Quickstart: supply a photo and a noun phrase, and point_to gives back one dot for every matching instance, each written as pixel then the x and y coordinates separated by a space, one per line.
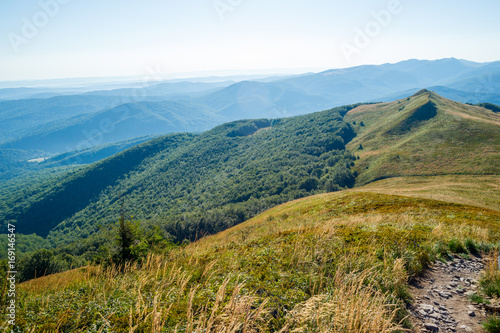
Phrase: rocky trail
pixel 441 302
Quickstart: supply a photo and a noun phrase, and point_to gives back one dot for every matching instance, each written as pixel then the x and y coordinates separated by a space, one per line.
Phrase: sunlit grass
pixel 329 263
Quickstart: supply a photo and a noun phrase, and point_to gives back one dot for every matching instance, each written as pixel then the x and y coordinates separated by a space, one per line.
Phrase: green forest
pixel 178 187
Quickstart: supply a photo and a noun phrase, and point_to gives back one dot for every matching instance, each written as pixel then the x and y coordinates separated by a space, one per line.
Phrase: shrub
pixel 492 324
pixel 478 298
pixel 456 246
pixel 442 251
pixel 309 184
pixel 471 246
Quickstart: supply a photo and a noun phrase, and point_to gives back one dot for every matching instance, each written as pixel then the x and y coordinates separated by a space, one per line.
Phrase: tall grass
pixel 332 263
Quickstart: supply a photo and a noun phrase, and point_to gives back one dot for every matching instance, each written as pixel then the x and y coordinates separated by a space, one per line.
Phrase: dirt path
pixel 441 303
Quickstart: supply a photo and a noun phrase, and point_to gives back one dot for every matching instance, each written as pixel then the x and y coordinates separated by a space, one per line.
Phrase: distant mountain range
pixel 72 122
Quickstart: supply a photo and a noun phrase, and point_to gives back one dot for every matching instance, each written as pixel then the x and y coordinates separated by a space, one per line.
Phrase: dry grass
pixel 352 307
pixel 330 263
pixel 481 191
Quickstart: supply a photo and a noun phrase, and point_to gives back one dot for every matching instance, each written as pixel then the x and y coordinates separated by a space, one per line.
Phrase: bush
pixel 492 324
pixel 442 251
pixel 43 262
pixel 471 246
pixel 456 246
pixel 490 282
pixel 478 299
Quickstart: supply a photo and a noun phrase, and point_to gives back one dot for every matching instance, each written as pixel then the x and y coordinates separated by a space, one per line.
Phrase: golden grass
pixel 352 307
pixel 329 263
pixel 481 191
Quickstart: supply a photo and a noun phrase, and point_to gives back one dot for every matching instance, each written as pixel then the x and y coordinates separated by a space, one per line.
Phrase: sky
pixel 45 39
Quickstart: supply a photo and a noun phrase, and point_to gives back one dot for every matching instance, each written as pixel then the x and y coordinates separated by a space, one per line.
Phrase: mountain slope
pixel 307 265
pixel 424 135
pixel 209 182
pixel 195 184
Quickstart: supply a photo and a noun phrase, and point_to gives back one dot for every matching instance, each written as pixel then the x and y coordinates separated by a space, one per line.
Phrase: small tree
pixel 126 237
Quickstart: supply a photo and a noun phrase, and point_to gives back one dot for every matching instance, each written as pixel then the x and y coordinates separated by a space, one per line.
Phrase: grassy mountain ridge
pixel 424 135
pixel 208 182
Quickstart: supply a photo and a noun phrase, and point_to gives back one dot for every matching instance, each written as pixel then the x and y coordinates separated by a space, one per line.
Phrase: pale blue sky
pixel 125 37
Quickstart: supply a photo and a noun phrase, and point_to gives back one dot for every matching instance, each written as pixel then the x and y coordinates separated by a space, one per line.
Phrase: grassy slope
pixel 481 191
pixel 308 264
pixel 458 139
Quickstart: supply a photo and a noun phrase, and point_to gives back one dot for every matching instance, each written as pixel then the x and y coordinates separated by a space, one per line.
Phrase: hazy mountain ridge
pixel 220 102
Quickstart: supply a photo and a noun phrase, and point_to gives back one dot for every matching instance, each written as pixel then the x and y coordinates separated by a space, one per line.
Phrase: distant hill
pixel 424 134
pixel 167 90
pixel 124 122
pixel 19 118
pixel 248 99
pixel 371 83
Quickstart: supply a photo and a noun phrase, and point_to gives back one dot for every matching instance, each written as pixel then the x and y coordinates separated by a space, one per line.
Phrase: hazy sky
pixel 42 39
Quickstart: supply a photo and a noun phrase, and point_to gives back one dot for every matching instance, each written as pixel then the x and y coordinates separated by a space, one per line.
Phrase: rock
pixel 426 307
pixel 422 313
pixel 431 327
pixel 471 313
pixel 435 315
pixel 466 328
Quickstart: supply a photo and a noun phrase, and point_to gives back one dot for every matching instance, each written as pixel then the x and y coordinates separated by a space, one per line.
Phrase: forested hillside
pixel 192 185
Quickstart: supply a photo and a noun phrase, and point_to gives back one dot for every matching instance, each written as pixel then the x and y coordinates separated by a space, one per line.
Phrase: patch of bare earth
pixel 441 302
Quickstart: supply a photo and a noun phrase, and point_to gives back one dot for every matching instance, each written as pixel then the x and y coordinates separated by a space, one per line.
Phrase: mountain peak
pixel 421 92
